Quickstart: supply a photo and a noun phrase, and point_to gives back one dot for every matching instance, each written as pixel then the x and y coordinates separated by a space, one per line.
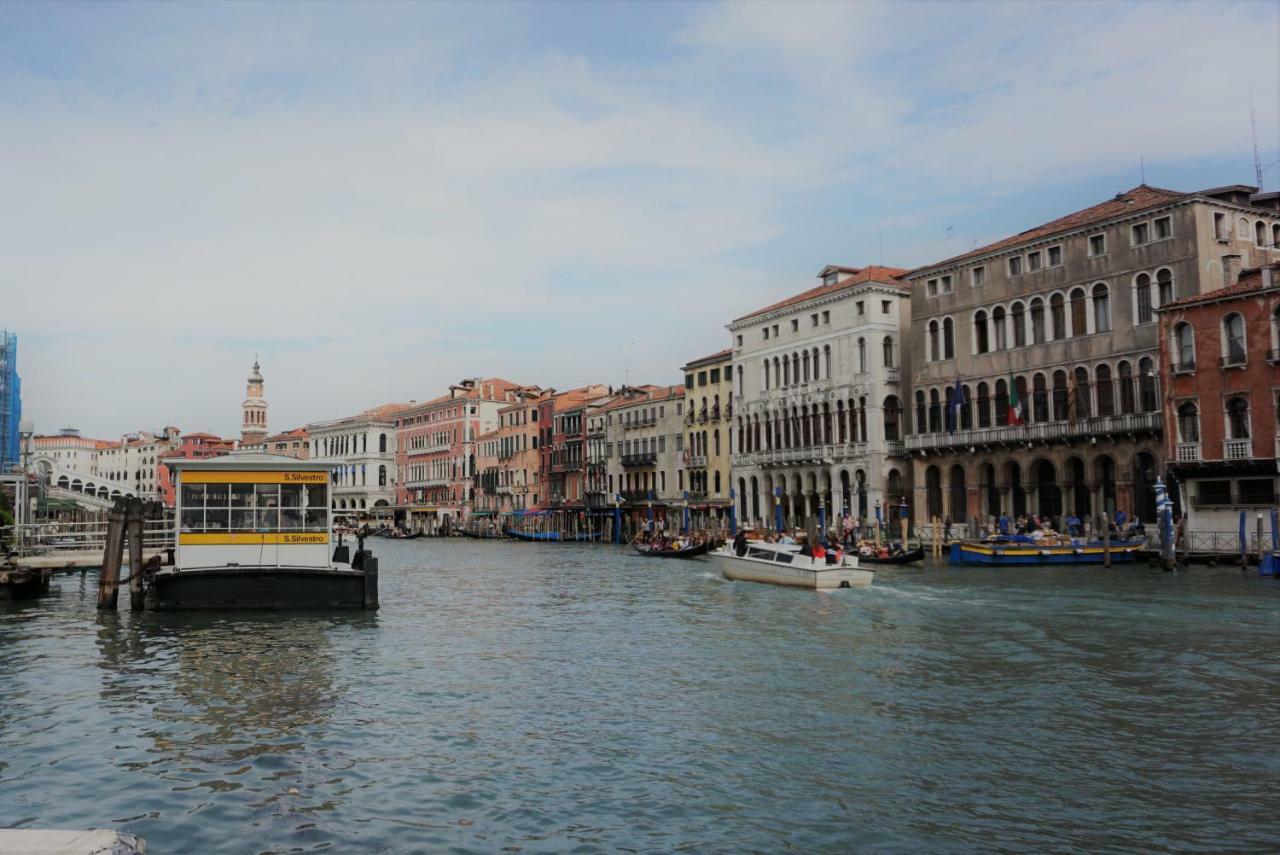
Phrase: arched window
pixel 1037 321
pixel 786 371
pixel 1002 403
pixel 1142 298
pixel 888 351
pixel 922 426
pixel 1017 316
pixel 1125 371
pixel 1079 315
pixel 1233 352
pixel 382 476
pixel 1188 422
pixel 1184 347
pixel 892 418
pixel 1058 316
pixel 948 339
pixel 935 412
pixel 1060 402
pixel 382 443
pixel 966 408
pixel 1101 308
pixel 933 341
pixel 1081 397
pixel 1147 385
pixel 804 361
pixel 984 405
pixel 1106 397
pixel 1275 235
pixel 1164 286
pixel 998 328
pixel 826 361
pixel 862 355
pixel 980 332
pixel 1040 399
pixel 1260 233
pixel 1237 418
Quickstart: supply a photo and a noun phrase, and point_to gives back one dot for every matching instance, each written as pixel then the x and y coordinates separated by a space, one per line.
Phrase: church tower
pixel 253 426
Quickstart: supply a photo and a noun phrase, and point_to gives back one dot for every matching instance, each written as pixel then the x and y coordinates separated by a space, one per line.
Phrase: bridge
pixel 91 492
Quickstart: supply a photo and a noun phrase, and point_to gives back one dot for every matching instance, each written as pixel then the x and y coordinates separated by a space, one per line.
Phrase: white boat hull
pixel 801 572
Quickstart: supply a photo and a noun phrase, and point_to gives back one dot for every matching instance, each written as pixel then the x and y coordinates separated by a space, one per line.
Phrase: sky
pixel 380 200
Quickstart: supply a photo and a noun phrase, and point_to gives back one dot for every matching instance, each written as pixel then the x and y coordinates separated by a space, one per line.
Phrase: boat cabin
pixel 252 510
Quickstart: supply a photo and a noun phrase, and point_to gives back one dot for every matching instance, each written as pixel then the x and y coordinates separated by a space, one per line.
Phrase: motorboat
pixel 784 564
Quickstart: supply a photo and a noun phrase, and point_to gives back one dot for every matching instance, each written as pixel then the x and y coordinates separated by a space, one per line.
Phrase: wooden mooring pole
pixel 112 553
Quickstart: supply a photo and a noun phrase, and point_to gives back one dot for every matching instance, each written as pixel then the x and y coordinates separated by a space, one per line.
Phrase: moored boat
pixel 553 536
pixel 1028 552
pixel 253 533
pixel 783 564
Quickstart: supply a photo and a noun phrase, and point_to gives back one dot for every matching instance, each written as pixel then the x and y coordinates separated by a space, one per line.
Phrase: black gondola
pixel 687 552
pixel 916 554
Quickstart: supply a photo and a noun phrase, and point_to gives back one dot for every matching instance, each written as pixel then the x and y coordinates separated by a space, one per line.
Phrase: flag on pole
pixel 954 405
pixel 1017 407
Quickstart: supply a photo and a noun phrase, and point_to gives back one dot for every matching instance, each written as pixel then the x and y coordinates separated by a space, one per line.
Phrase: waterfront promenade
pixel 582 697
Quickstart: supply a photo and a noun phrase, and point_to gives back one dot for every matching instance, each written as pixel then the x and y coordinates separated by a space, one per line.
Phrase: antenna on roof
pixel 1253 128
pixel 881 247
pixel 1142 171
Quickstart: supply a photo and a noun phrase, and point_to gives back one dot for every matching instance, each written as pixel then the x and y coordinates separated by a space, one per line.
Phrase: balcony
pixel 637 495
pixel 1273 356
pixel 697 461
pixel 635 424
pixel 1187 367
pixel 1188 452
pixel 649 459
pixel 430 449
pixel 1082 429
pixel 1237 449
pixel 1236 360
pixel 893 375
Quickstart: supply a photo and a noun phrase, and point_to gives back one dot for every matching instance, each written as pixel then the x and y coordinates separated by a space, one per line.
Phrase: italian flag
pixel 1017 408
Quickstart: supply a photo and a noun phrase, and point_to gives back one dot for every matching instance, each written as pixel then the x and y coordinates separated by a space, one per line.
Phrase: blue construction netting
pixel 10 400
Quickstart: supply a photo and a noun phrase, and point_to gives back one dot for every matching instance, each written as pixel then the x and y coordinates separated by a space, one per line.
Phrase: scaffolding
pixel 10 401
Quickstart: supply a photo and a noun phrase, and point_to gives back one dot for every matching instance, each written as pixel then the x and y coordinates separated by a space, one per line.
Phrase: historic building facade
pixel 563 447
pixel 1051 338
pixel 644 447
pixel 436 450
pixel 707 460
pixel 1221 356
pixel 361 450
pixel 819 382
pixel 294 443
pixel 508 462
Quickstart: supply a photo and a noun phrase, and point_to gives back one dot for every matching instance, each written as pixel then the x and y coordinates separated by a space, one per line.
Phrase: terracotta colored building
pixel 1220 357
pixel 436 449
pixel 508 461
pixel 563 446
pixel 294 443
pixel 194 446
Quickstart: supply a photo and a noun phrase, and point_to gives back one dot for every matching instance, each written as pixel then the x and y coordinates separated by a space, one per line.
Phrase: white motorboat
pixel 782 564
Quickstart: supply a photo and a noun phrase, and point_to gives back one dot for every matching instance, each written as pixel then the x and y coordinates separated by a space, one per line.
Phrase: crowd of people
pixel 1121 525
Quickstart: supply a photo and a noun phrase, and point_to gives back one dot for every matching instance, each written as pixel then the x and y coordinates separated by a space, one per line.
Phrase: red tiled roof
pixel 874 273
pixel 719 354
pixel 648 394
pixel 1137 199
pixel 1249 282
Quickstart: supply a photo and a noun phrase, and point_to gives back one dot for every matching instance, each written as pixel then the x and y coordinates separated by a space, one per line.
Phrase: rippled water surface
pixel 528 697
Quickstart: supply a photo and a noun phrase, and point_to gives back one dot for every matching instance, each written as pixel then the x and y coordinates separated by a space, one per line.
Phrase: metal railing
pixel 1188 451
pixel 645 459
pixel 1187 367
pixel 57 538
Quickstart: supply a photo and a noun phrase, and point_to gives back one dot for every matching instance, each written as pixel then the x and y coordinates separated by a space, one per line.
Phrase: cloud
pixel 382 201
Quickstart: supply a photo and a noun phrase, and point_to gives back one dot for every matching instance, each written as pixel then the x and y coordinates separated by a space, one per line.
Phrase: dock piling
pixel 370 582
pixel 133 527
pixel 112 553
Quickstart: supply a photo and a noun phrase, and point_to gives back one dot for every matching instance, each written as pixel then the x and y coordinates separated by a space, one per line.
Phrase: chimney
pixel 1230 269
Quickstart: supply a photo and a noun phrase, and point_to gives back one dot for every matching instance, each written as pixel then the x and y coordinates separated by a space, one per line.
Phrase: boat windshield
pixel 254 507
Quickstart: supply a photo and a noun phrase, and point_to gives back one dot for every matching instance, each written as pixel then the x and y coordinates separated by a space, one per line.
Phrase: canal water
pixel 522 697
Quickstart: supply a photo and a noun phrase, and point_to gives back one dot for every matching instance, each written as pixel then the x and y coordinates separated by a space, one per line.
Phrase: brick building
pixel 563 447
pixel 1220 354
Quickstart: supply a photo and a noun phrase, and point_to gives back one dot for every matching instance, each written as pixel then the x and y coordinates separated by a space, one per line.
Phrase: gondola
pixel 687 552
pixel 478 534
pixel 912 556
pixel 553 536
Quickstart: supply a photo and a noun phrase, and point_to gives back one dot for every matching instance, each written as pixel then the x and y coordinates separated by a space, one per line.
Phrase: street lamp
pixel 26 430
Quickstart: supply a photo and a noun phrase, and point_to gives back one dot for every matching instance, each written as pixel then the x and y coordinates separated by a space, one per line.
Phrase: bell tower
pixel 253 425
